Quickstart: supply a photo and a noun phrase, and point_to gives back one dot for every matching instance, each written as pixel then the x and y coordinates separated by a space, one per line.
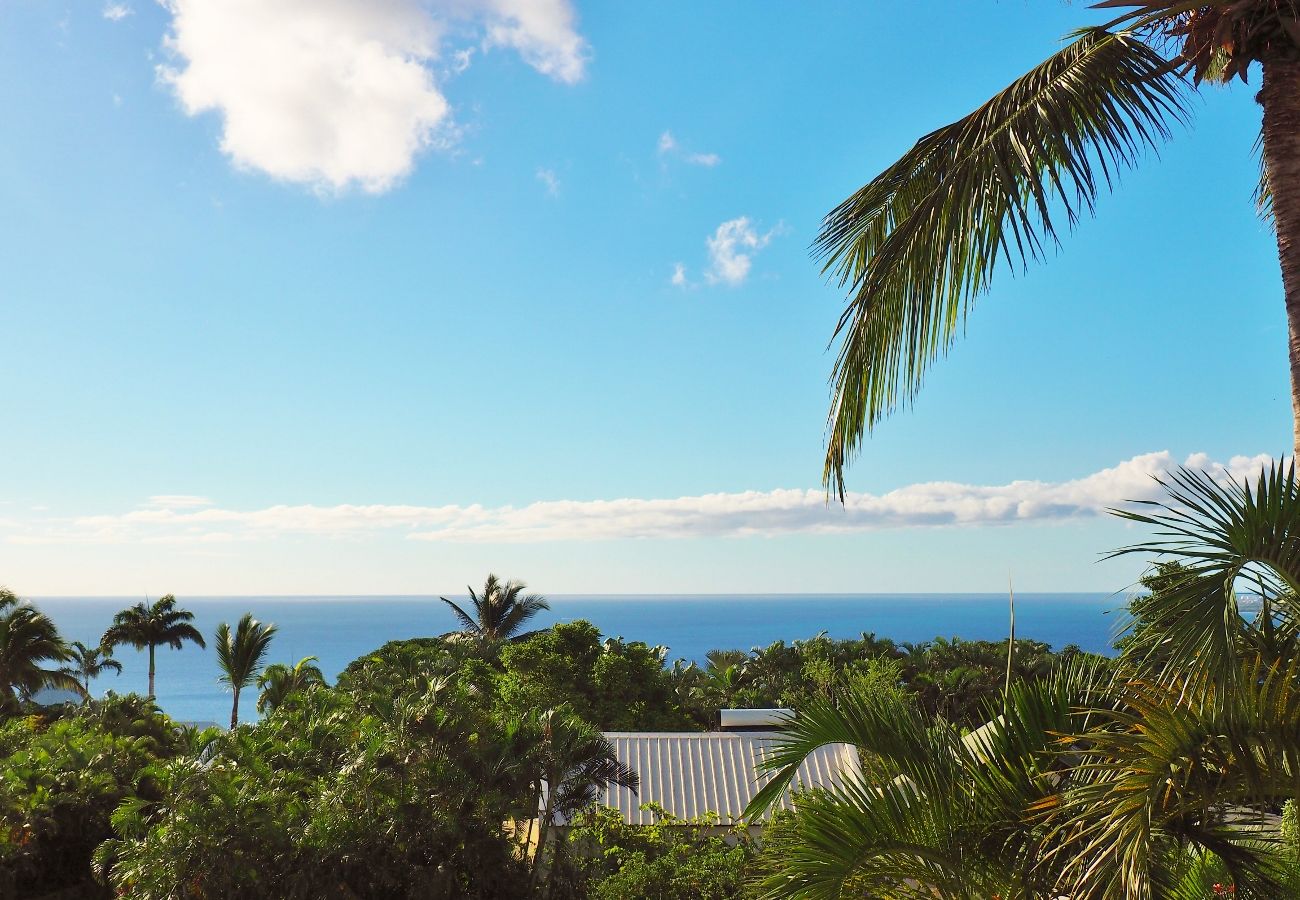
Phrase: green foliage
pixel 616 685
pixel 61 780
pixel 29 641
pixel 672 859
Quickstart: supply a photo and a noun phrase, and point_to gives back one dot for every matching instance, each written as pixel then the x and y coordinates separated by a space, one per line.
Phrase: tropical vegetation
pixel 240 654
pixel 29 643
pixel 920 243
pixel 498 611
pixel 1162 775
pixel 148 626
pixel 88 663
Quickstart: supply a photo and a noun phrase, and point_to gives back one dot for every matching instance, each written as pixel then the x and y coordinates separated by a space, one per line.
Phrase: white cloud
pixel 550 180
pixel 116 12
pixel 731 251
pixel 668 146
pixel 544 32
pixel 185 519
pixel 679 275
pixel 341 93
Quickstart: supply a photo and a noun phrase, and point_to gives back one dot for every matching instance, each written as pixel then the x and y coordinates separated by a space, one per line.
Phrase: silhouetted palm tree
pixel 240 654
pixel 279 681
pixel 499 611
pixel 88 663
pixel 29 638
pixel 151 626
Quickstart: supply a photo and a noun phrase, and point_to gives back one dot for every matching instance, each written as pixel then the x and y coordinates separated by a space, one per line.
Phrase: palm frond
pixel 920 243
pixel 1222 531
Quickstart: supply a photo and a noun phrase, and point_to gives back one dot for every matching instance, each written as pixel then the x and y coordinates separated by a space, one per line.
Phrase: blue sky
pixel 325 297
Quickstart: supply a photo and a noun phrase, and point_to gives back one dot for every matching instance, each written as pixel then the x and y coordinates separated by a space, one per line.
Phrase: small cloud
pixel 679 275
pixel 668 146
pixel 116 12
pixel 732 248
pixel 117 99
pixel 551 180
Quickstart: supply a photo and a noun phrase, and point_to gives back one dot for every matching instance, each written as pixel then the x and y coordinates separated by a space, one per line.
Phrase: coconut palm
pixel 28 640
pixel 920 243
pixel 240 654
pixel 499 611
pixel 88 663
pixel 281 680
pixel 152 625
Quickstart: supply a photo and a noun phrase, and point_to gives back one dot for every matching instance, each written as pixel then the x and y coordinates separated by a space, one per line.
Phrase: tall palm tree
pixel 153 625
pixel 88 663
pixel 920 243
pixel 240 654
pixel 499 611
pixel 29 639
pixel 280 680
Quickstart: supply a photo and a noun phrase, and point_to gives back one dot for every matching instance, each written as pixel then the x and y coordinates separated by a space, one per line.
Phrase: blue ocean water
pixel 337 630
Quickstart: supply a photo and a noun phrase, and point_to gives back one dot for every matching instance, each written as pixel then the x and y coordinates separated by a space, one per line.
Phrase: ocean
pixel 337 630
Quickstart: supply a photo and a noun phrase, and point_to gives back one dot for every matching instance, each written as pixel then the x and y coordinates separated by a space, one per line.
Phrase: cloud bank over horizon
pixel 192 519
pixel 336 94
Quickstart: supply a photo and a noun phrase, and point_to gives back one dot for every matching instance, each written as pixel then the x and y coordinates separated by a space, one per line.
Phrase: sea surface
pixel 336 630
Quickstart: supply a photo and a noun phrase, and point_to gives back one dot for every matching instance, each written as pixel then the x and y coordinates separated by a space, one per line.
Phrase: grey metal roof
pixel 692 773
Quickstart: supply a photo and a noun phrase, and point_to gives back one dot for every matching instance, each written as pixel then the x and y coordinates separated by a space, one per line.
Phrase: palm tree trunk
pixel 234 710
pixel 151 649
pixel 1280 98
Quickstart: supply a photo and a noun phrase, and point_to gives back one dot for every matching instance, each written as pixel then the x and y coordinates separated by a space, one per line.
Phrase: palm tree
pixel 151 626
pixel 573 761
pixel 920 243
pixel 280 680
pixel 240 655
pixel 89 663
pixel 29 638
pixel 499 611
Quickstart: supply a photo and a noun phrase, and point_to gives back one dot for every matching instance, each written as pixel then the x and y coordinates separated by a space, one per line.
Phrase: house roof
pixel 694 773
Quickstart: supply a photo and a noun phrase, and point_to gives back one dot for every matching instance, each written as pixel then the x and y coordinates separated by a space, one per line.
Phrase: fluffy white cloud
pixel 544 32
pixel 116 12
pixel 679 275
pixel 731 251
pixel 342 93
pixel 749 513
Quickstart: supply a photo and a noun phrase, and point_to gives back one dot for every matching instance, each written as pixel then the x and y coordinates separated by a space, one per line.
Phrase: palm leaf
pixel 921 242
pixel 1222 531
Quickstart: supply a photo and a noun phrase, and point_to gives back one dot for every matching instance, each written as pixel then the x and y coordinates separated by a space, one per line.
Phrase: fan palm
pixel 150 626
pixel 240 654
pixel 29 639
pixel 920 243
pixel 88 663
pixel 499 611
pixel 279 681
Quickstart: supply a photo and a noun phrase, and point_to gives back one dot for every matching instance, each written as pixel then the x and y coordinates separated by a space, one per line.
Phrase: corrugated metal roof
pixel 691 774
